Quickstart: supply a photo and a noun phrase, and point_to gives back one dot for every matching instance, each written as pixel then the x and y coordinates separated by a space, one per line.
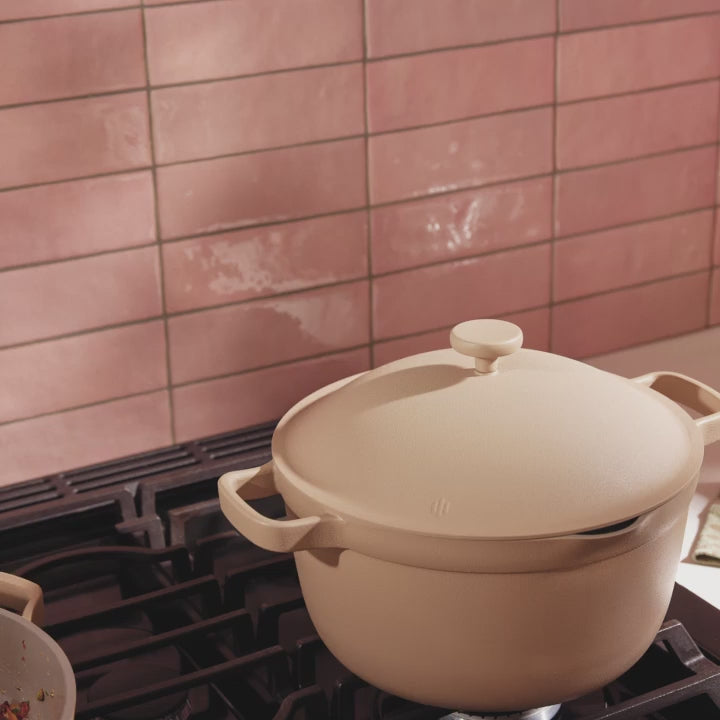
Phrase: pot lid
pixel 487 440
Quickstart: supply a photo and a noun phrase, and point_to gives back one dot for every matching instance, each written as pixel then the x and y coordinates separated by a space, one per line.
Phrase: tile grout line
pixel 75 178
pixel 643 221
pixel 553 195
pixel 538 36
pixel 641 343
pixel 79 13
pixel 188 383
pixel 636 158
pixel 75 98
pixel 348 211
pixel 422 198
pixel 390 131
pixel 632 286
pixel 359 279
pixel 265 298
pixel 81 256
pixel 80 333
pixel 192 311
pixel 632 23
pixel 708 80
pixel 458 120
pixel 83 406
pixel 158 236
pixel 343 350
pixel 271 366
pixel 537 309
pixel 562 171
pixel 346 281
pixel 443 328
pixel 497 41
pixel 148 85
pixel 368 214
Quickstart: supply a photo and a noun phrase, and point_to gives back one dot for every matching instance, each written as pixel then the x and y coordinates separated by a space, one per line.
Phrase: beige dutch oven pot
pixel 484 527
pixel 30 660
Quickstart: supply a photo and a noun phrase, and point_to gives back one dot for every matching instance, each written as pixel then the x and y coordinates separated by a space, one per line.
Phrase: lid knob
pixel 486 341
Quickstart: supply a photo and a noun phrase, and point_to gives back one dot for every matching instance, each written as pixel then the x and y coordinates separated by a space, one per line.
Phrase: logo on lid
pixel 440 507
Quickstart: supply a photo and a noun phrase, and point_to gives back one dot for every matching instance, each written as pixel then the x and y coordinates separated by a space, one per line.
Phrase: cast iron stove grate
pixel 166 612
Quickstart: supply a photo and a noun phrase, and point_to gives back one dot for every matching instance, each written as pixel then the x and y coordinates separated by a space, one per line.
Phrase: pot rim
pixel 309 529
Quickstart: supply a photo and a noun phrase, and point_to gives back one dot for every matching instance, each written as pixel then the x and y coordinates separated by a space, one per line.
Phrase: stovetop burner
pixel 124 675
pixel 130 674
pixel 166 612
pixel 544 713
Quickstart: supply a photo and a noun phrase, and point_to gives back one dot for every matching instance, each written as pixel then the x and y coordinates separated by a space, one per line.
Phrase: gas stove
pixel 166 612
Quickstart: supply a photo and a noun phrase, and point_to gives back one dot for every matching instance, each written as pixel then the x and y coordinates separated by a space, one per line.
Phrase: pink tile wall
pixel 442 158
pixel 209 209
pixel 257 188
pixel 423 89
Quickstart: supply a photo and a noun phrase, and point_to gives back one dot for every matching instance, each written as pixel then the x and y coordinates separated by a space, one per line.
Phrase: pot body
pixel 434 606
pixel 495 641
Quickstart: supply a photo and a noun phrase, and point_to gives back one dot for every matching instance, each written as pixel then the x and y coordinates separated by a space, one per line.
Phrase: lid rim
pixel 587 483
pixel 291 484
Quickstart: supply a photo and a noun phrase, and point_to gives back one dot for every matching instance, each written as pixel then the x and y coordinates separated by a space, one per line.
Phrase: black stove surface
pixel 166 612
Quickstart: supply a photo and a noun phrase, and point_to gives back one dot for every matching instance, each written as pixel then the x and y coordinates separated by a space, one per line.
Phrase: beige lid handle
pixel 486 341
pixel 22 595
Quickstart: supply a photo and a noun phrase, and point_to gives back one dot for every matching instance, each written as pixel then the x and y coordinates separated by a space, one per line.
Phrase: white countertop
pixel 696 355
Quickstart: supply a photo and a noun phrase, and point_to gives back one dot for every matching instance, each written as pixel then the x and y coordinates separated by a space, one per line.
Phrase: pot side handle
pixel 693 394
pixel 23 596
pixel 307 533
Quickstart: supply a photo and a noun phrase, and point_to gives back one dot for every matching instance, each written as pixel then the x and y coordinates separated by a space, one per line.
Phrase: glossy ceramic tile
pixel 460 155
pixel 633 254
pixel 73 55
pixel 52 222
pixel 267 332
pixel 600 131
pixel 213 195
pixel 389 350
pixel 243 400
pixel 715 298
pixel 60 374
pixel 604 62
pixel 52 300
pixel 535 325
pixel 84 436
pixel 630 317
pixel 635 190
pixel 578 14
pixel 64 140
pixel 18 9
pixel 461 224
pixel 421 89
pixel 263 261
pixel 198 121
pixel 248 37
pixel 404 26
pixel 443 295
